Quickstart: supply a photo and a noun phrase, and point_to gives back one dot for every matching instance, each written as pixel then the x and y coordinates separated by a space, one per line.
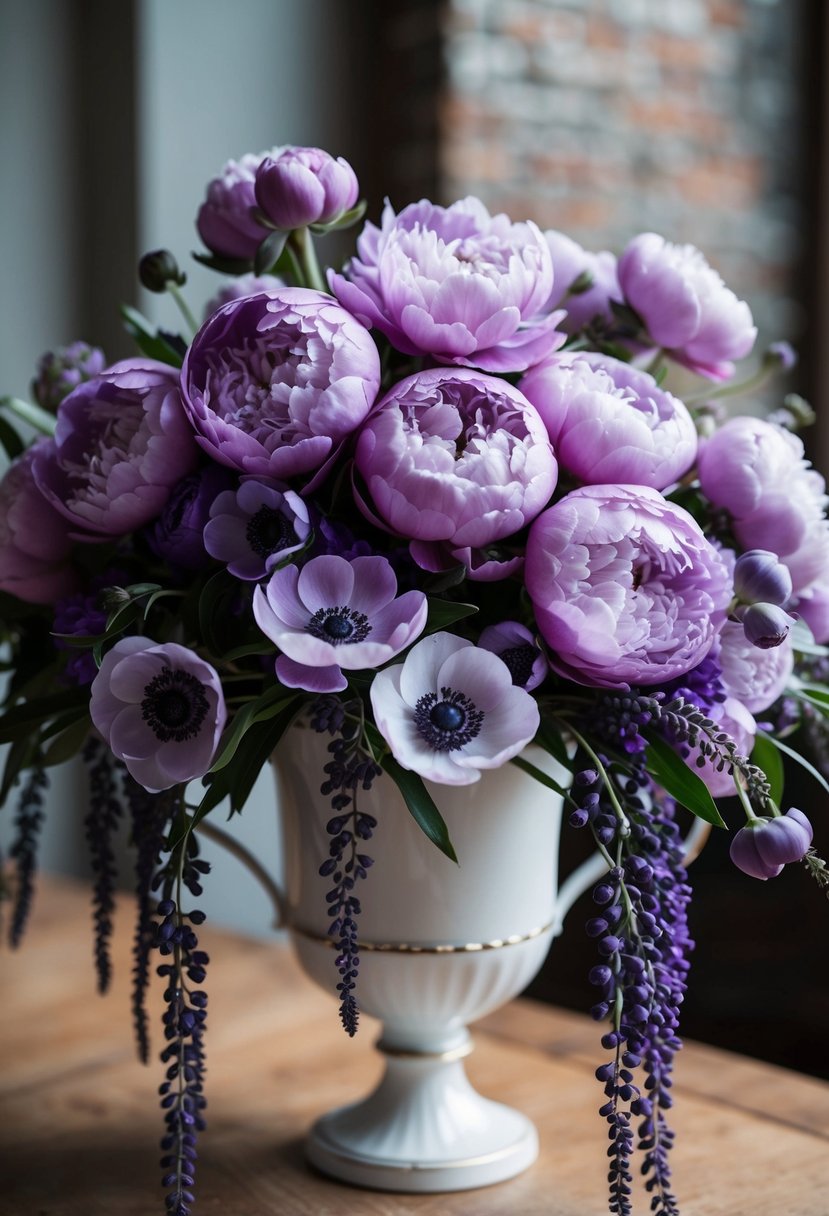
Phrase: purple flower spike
pixel 451 710
pixel 226 220
pixel 625 586
pixel 60 371
pixel 336 613
pixel 685 306
pixel 273 382
pixel 737 722
pixel 456 456
pixel 122 443
pixel 762 848
pixel 455 283
pixel 516 646
pixel 609 421
pixel 256 527
pixel 300 186
pixel 160 709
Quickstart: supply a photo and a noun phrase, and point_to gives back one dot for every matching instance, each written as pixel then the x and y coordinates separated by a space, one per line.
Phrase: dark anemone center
pixel 519 660
pixel 448 721
pixel 338 625
pixel 174 705
pixel 268 531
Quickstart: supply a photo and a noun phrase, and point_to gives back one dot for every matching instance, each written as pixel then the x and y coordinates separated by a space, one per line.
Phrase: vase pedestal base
pixel 424 1129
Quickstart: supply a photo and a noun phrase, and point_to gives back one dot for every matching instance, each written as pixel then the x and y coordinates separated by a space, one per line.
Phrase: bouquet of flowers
pixel 439 504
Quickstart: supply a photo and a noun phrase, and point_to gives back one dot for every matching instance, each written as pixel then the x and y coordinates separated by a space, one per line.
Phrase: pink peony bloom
pixel 813 608
pixel 122 444
pixel 685 306
pixel 34 542
pixel 454 283
pixel 226 219
pixel 609 421
pixel 456 456
pixel 571 262
pixel 335 614
pixel 160 709
pixel 300 186
pixel 756 677
pixel 757 472
pixel 451 710
pixel 273 382
pixel 241 287
pixel 626 588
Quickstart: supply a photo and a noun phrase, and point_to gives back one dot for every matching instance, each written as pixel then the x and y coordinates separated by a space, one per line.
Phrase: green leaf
pixel 269 252
pixel 261 709
pixel 34 415
pixel 539 775
pixel 20 719
pixel 766 756
pixel 802 640
pixel 549 737
pixel 347 220
pixel 671 772
pixel 263 646
pixel 217 595
pixel 801 760
pixel 234 266
pixel 443 613
pixel 148 339
pixel 68 743
pixel 161 594
pixel 10 440
pixel 19 757
pixel 420 804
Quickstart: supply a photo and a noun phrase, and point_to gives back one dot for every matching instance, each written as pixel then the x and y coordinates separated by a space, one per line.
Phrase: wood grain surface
pixel 79 1121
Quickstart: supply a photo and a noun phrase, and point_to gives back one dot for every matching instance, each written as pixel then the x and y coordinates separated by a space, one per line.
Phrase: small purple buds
pixel 764 846
pixel 766 625
pixel 760 577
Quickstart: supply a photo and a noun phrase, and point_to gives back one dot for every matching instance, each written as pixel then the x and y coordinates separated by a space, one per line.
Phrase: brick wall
pixel 609 117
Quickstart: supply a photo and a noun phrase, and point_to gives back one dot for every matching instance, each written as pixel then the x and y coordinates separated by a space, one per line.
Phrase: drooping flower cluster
pixel 457 507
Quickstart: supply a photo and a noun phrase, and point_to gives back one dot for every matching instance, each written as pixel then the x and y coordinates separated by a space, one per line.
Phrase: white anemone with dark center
pixel 449 721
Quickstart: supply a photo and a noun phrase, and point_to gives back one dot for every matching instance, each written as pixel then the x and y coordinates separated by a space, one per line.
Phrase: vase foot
pixel 424 1129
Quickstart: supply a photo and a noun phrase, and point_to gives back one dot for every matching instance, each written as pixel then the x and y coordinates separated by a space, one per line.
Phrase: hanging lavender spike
pixel 348 769
pixel 100 825
pixel 28 822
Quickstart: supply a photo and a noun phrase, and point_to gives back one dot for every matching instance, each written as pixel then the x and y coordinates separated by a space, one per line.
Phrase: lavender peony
pixel 571 263
pixel 300 186
pixel 34 542
pixel 60 371
pixel 240 287
pixel 757 472
pixel 625 587
pixel 456 456
pixel 121 444
pixel 177 536
pixel 454 283
pixel 254 528
pixel 813 608
pixel 160 709
pixel 756 677
pixel 273 382
pixel 226 221
pixel 609 421
pixel 451 710
pixel 685 306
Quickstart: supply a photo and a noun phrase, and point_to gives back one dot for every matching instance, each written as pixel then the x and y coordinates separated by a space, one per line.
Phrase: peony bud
pixel 765 845
pixel 760 576
pixel 301 186
pixel 766 625
pixel 157 269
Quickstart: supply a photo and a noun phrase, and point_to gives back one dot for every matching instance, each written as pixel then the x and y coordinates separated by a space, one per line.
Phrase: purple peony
pixel 516 646
pixel 451 710
pixel 454 283
pixel 626 588
pixel 757 472
pixel 177 536
pixel 121 445
pixel 60 371
pixel 335 614
pixel 813 608
pixel 160 709
pixel 273 382
pixel 685 306
pixel 609 421
pixel 456 456
pixel 226 220
pixel 756 677
pixel 241 287
pixel 254 528
pixel 300 186
pixel 764 846
pixel 34 542
pixel 571 263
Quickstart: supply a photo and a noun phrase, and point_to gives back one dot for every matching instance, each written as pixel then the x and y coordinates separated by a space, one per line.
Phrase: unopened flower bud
pixel 766 625
pixel 781 354
pixel 299 186
pixel 764 846
pixel 157 269
pixel 60 371
pixel 760 577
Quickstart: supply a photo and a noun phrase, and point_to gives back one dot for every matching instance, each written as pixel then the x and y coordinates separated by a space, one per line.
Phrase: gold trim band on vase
pixel 460 1052
pixel 410 948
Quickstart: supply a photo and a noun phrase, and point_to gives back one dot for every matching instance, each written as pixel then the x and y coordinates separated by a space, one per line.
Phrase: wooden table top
pixel 79 1122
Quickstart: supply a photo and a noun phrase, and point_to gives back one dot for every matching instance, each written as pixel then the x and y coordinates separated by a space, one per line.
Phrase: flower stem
pixel 183 306
pixel 301 245
pixel 232 846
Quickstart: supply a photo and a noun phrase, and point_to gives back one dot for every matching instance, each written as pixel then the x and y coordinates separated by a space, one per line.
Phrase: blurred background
pixel 703 120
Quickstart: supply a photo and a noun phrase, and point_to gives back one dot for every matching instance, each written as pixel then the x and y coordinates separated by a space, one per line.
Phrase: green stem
pixel 759 378
pixel 301 244
pixel 183 306
pixel 40 419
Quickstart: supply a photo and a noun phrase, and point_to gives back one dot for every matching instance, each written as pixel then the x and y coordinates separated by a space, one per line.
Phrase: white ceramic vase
pixel 441 945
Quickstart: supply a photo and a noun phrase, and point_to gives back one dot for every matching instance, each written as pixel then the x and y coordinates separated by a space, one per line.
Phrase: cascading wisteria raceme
pixel 463 507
